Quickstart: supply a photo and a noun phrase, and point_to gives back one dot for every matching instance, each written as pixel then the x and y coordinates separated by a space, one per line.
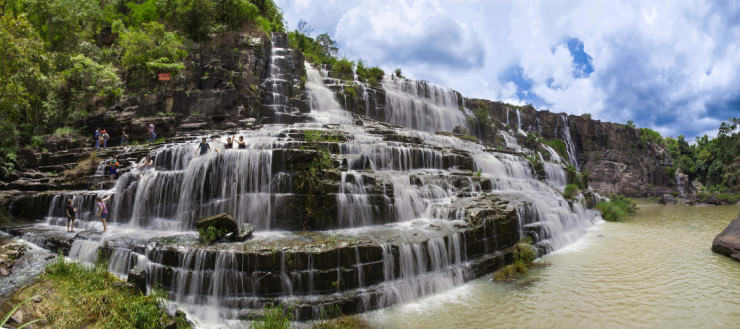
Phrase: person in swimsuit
pixel 70 211
pixel 229 143
pixel 103 211
pixel 242 143
pixel 203 147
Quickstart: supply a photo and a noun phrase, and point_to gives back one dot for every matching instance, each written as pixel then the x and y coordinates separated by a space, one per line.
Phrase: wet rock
pixel 728 242
pixel 137 278
pixel 223 223
pixel 245 232
pixel 37 299
pixel 667 199
pixel 4 272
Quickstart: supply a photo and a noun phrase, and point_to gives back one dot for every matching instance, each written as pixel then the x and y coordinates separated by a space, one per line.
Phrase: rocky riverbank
pixel 728 242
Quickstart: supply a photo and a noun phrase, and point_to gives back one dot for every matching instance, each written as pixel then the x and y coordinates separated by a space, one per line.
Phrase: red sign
pixel 165 77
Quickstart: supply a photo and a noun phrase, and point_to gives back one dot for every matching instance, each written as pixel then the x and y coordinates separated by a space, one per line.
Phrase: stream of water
pixel 653 271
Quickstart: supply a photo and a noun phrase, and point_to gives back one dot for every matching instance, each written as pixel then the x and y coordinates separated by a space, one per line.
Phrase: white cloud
pixel 669 65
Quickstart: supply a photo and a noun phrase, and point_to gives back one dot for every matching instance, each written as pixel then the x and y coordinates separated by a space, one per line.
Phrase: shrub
pixel 559 146
pixel 343 66
pixel 343 322
pixel 524 254
pixel 375 76
pixel 570 191
pixel 150 50
pixel 210 234
pixel 617 208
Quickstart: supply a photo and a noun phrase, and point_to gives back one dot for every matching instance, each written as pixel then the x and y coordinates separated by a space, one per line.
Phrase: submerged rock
pixel 728 242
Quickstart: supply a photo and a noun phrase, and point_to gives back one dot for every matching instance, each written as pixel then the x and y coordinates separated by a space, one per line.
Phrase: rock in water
pixel 244 233
pixel 17 317
pixel 215 227
pixel 667 199
pixel 4 272
pixel 728 242
pixel 137 277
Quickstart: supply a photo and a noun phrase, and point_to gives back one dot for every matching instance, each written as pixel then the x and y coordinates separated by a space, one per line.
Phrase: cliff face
pixel 241 79
pixel 618 162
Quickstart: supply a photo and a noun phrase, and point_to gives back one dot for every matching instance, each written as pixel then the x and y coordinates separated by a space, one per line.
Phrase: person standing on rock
pixel 152 134
pixel 70 211
pixel 103 211
pixel 203 147
pixel 124 135
pixel 105 138
pixel 97 138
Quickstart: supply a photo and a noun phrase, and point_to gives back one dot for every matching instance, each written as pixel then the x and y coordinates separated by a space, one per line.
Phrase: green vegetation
pixel 398 74
pixel 64 60
pixel 343 66
pixel 275 318
pixel 317 136
pixel 714 162
pixel 524 256
pixel 64 131
pixel 570 191
pixel 84 167
pixel 211 234
pixel 76 296
pixel 580 179
pixel 617 208
pixel 559 146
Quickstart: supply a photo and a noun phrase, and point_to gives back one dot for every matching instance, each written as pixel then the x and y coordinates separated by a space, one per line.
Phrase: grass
pixel 7 316
pixel 64 131
pixel 559 146
pixel 276 317
pixel 723 197
pixel 570 191
pixel 342 322
pixel 617 208
pixel 75 296
pixel 524 255
pixel 84 167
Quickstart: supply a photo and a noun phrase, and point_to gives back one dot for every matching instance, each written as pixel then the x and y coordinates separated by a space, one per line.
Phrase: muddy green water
pixel 654 271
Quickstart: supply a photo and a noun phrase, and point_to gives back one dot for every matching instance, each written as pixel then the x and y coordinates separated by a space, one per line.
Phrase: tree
pixel 150 50
pixel 304 28
pixel 328 45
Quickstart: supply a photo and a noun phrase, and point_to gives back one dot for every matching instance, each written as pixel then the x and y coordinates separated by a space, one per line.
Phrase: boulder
pixel 244 233
pixel 137 278
pixel 667 199
pixel 728 242
pixel 460 130
pixel 223 224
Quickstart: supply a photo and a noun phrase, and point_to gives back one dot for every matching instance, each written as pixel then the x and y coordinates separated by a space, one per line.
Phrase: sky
pixel 672 66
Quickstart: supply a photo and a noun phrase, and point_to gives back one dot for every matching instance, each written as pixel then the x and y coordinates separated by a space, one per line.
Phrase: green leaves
pixel 151 50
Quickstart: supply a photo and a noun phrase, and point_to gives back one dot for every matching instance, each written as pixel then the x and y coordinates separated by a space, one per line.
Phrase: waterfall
pixel 422 106
pixel 278 83
pixel 323 102
pixel 550 217
pixel 569 142
pixel 353 206
pixel 510 141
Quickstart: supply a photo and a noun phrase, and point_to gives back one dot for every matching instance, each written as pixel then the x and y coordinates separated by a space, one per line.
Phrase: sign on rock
pixel 165 77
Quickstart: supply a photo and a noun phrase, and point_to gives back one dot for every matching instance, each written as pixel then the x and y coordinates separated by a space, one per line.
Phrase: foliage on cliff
pixel 323 50
pixel 64 61
pixel 715 162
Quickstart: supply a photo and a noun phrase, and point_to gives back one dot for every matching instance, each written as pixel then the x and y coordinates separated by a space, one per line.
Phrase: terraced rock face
pixel 348 211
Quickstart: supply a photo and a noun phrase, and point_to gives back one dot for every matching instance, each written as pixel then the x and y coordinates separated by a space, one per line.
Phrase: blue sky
pixel 667 65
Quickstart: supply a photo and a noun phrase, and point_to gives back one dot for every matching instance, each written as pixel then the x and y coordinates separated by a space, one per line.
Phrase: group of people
pixel 101 136
pixel 71 211
pixel 204 147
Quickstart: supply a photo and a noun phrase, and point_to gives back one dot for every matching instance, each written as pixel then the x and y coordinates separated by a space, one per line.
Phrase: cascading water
pixel 391 225
pixel 569 141
pixel 422 106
